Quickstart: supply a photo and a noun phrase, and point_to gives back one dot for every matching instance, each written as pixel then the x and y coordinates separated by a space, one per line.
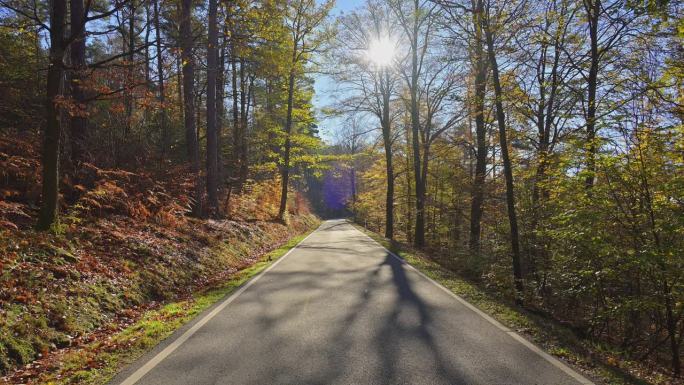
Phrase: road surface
pixel 340 309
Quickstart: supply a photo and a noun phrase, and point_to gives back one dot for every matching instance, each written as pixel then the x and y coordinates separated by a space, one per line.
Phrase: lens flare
pixel 381 51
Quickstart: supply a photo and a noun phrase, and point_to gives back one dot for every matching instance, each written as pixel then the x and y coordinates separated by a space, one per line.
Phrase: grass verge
pixel 594 361
pixel 99 361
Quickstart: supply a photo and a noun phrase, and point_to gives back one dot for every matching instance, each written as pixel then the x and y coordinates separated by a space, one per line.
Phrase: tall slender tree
pixel 212 137
pixel 53 129
pixel 188 66
pixel 371 84
pixel 303 18
pixel 79 119
pixel 479 64
pixel 430 82
pixel 505 157
pixel 163 126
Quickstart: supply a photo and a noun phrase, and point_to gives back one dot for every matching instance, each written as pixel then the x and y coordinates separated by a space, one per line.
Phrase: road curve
pixel 340 309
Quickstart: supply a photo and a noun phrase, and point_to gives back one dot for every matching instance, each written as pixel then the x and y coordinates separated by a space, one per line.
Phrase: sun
pixel 381 51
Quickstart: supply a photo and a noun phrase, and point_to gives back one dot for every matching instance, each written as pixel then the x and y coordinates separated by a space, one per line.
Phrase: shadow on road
pixel 395 328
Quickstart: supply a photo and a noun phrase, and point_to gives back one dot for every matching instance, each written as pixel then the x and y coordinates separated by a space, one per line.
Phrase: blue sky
pixel 324 86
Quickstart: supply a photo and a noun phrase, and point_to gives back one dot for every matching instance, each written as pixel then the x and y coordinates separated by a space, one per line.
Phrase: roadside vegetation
pixel 100 354
pixel 121 253
pixel 151 150
pixel 597 361
pixel 149 160
pixel 533 147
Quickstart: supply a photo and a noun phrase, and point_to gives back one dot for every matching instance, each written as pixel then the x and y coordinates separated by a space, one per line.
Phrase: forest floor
pixel 596 361
pixel 124 268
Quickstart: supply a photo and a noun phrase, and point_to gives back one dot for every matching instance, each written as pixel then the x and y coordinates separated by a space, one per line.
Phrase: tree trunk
pixel 477 193
pixel 245 96
pixel 51 140
pixel 236 111
pixel 78 120
pixel 423 182
pixel 130 71
pixel 160 73
pixel 188 65
pixel 593 8
pixel 419 236
pixel 212 142
pixel 244 144
pixel 672 330
pixel 285 173
pixel 508 168
pixel 220 113
pixel 148 32
pixel 409 200
pixel 545 118
pixel 353 188
pixel 387 141
pixel 179 68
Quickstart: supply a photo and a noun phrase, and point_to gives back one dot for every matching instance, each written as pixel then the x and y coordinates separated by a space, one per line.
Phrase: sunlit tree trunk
pixel 508 168
pixel 285 168
pixel 236 112
pixel 593 10
pixel 477 194
pixel 220 112
pixel 188 65
pixel 212 139
pixel 387 142
pixel 419 236
pixel 245 96
pixel 160 74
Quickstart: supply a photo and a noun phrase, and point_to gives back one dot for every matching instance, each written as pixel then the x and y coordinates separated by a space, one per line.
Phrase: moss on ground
pixel 99 361
pixel 57 291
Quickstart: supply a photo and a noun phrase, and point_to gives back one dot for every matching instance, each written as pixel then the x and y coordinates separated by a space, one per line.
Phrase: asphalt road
pixel 340 309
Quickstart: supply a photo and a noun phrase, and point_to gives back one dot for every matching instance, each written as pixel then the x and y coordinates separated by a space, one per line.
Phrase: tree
pixel 303 17
pixel 508 167
pixel 188 65
pixel 430 81
pixel 464 24
pixel 544 101
pixel 241 27
pixel 59 42
pixel 414 21
pixel 79 119
pixel 373 84
pixel 53 129
pixel 480 69
pixel 160 74
pixel 212 136
pixel 607 23
pixel 353 141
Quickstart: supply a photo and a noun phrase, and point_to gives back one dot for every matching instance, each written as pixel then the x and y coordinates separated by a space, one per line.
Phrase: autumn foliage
pixel 125 243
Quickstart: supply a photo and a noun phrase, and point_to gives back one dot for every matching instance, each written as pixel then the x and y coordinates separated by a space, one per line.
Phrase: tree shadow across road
pixel 394 332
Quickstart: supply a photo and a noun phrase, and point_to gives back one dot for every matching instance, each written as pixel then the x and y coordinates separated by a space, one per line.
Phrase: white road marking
pixel 552 360
pixel 149 365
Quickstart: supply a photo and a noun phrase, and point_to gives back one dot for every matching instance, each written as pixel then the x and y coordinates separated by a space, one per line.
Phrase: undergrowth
pixel 98 361
pixel 595 360
pixel 124 245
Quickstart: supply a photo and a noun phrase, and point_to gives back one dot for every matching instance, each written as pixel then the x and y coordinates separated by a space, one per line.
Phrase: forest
pixel 533 148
